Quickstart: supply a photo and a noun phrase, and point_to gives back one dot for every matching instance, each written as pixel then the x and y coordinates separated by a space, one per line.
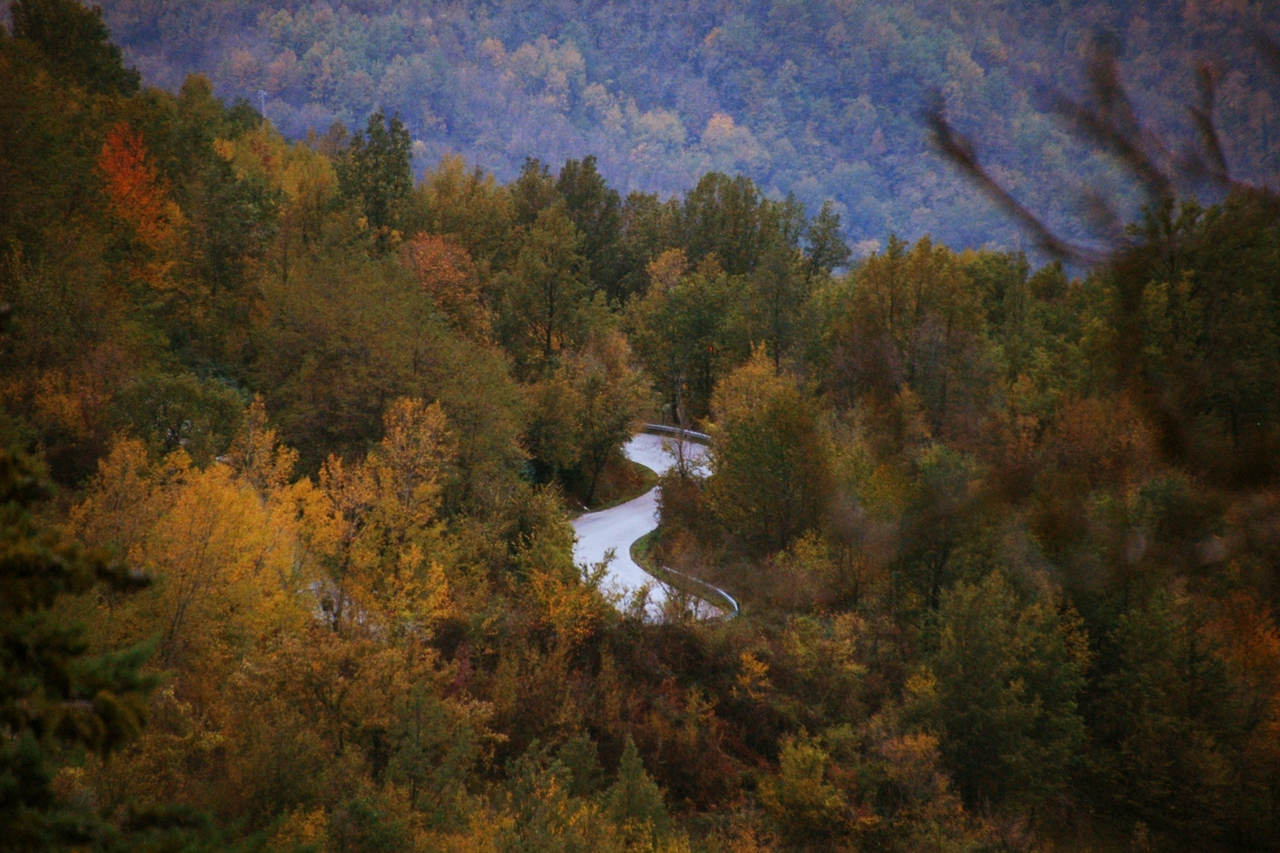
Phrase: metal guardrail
pixel 663 429
pixel 732 601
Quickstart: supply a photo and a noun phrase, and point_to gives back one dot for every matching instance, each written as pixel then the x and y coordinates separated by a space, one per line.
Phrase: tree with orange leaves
pixel 447 274
pixel 138 196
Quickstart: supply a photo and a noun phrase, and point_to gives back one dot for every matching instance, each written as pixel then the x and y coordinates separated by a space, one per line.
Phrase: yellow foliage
pixel 228 562
pixel 573 611
pixel 377 525
pixel 666 270
pixel 753 680
pixel 301 827
pixel 748 389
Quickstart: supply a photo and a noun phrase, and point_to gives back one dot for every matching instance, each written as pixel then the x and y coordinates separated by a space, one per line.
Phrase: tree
pixel 383 526
pixel 140 198
pixel 778 292
pixel 770 458
pixel 1000 687
pixel 544 290
pixel 826 250
pixel 1165 719
pixel 376 173
pixel 940 510
pixel 649 227
pixel 722 216
pixel 678 329
pixel 634 801
pixel 613 397
pixel 54 694
pixel 805 806
pixel 596 211
pixel 532 192
pixel 913 318
pixel 467 205
pixel 76 44
pixel 448 275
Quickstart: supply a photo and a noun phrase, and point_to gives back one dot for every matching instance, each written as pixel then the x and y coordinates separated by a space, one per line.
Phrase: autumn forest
pixel 295 416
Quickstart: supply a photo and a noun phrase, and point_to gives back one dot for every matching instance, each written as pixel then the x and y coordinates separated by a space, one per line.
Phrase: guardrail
pixel 663 429
pixel 727 597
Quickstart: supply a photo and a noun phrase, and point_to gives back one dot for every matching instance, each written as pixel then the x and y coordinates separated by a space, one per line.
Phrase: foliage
pixel 1001 690
pixel 820 99
pixel 375 172
pixel 770 461
pixel 56 695
pixel 1004 538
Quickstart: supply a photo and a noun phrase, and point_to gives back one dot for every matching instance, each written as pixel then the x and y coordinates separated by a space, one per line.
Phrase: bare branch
pixel 960 151
pixel 1215 169
pixel 1110 122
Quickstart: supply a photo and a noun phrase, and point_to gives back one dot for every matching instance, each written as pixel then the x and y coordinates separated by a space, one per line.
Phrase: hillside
pixel 292 432
pixel 821 99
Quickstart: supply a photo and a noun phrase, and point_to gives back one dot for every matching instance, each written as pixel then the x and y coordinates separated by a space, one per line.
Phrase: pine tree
pixel 54 695
pixel 377 173
pixel 827 249
pixel 635 801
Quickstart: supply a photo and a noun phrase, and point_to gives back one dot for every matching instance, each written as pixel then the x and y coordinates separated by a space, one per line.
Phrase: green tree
pixel 649 227
pixel 596 211
pixel 914 318
pixel 1000 687
pixel 722 216
pixel 543 293
pixel 804 805
pixel 778 291
pixel 55 697
pixel 770 458
pixel 76 44
pixel 532 192
pixel 827 250
pixel 1165 719
pixel 613 396
pixel 376 173
pixel 634 800
pixel 468 205
pixel 941 511
pixel 678 329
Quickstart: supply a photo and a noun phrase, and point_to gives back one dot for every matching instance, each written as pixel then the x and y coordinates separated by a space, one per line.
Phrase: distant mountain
pixel 820 98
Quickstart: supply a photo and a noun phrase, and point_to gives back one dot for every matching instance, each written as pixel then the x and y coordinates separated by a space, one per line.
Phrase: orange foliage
pixel 1250 645
pixel 1106 440
pixel 448 275
pixel 139 197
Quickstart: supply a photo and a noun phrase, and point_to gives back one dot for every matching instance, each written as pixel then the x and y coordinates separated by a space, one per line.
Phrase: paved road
pixel 622 525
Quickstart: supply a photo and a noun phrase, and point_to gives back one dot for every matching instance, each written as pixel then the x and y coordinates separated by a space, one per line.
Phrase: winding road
pixel 620 526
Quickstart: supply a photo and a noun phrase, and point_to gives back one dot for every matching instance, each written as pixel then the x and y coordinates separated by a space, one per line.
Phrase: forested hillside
pixel 290 439
pixel 821 99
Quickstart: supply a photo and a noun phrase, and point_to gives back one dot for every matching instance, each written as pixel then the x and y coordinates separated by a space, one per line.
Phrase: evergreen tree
pixel 596 211
pixel 75 42
pixel 54 696
pixel 377 172
pixel 827 249
pixel 533 192
pixel 634 801
pixel 1000 688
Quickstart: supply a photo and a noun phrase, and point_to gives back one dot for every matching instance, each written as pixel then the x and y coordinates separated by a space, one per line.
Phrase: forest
pixel 819 98
pixel 291 435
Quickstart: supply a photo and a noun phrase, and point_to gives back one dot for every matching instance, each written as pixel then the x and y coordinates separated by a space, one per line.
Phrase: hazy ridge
pixel 820 99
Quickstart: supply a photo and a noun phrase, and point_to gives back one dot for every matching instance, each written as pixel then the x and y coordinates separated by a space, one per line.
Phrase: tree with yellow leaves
pixel 386 544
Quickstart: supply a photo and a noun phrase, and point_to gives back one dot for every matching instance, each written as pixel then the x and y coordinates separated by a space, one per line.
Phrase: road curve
pixel 620 526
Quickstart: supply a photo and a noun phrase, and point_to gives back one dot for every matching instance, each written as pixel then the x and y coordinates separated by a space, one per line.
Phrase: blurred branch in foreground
pixel 1109 121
